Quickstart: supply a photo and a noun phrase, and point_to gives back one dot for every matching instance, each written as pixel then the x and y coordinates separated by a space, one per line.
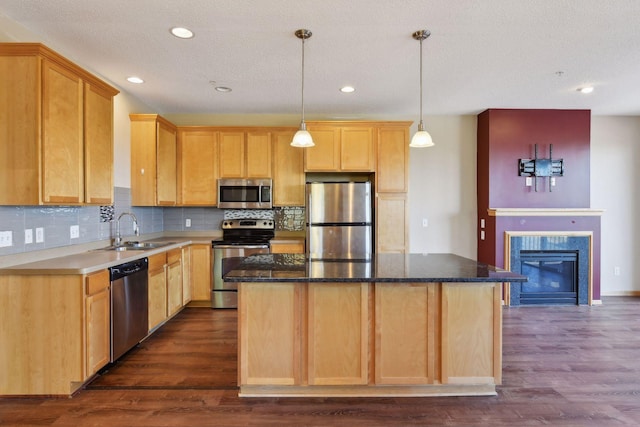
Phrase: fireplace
pixel 557 267
pixel 553 278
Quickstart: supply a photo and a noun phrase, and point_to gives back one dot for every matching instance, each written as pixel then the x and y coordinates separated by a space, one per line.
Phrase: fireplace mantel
pixel 544 212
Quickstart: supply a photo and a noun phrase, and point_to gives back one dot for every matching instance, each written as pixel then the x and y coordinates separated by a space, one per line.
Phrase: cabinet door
pixel 338 333
pixel 269 355
pixel 98 322
pixel 20 117
pixel 167 166
pixel 325 156
pixel 471 333
pixel 98 146
pixel 174 281
pixel 231 160
pixel 157 290
pixel 405 325
pixel 143 159
pixel 258 155
pixel 201 272
pixel 62 136
pixel 186 275
pixel 391 223
pixel 288 171
pixel 393 160
pixel 198 167
pixel 357 150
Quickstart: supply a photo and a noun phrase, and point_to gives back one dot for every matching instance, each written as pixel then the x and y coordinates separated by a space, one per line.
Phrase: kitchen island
pixel 396 325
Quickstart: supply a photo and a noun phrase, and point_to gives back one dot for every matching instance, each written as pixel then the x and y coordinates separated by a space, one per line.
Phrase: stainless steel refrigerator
pixel 339 220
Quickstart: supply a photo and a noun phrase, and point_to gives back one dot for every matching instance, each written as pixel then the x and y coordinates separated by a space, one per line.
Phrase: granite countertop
pixel 381 268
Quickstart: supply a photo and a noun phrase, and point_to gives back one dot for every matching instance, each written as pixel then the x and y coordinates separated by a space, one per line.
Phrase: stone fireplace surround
pixel 581 242
pixel 503 223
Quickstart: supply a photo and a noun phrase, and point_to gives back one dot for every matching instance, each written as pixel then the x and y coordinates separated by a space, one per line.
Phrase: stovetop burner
pixel 246 231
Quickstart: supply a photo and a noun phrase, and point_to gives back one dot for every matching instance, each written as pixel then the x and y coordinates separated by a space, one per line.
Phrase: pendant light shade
pixel 421 138
pixel 302 138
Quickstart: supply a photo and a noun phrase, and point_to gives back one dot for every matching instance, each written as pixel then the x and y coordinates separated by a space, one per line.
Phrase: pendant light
pixel 421 138
pixel 302 138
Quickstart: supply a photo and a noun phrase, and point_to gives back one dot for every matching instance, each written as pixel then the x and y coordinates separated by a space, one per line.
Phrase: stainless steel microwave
pixel 245 193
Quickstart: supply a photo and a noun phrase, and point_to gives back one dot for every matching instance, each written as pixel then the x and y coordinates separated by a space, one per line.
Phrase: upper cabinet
pixel 245 153
pixel 56 130
pixel 392 172
pixel 288 170
pixel 341 147
pixel 153 161
pixel 197 167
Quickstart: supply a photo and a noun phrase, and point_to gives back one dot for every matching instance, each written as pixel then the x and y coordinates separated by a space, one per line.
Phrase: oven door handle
pixel 241 247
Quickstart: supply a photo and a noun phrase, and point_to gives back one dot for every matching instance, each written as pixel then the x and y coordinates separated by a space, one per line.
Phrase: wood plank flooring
pixel 563 366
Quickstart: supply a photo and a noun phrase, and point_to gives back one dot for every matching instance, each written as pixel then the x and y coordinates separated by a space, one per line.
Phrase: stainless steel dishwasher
pixel 129 306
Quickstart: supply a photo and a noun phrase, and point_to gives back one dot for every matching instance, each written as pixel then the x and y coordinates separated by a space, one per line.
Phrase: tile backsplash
pixel 96 222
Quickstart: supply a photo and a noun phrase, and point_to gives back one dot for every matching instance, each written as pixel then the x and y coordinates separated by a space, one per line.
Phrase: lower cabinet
pixel 54 332
pixel 174 281
pixel 98 321
pixel 201 272
pixel 165 286
pixel 356 339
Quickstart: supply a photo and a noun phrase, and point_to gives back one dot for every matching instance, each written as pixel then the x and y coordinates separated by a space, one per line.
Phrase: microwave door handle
pixel 260 194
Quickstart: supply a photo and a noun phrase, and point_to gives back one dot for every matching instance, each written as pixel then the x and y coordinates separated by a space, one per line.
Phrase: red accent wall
pixel 505 136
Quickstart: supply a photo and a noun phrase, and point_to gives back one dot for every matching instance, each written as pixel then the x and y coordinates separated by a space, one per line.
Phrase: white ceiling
pixel 481 53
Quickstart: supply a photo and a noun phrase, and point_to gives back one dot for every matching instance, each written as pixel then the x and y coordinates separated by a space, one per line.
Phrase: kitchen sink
pixel 137 246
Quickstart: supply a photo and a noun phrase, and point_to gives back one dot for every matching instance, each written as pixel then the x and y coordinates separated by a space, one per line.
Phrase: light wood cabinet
pixel 392 170
pixel 153 161
pixel 197 167
pixel 392 223
pixel 55 331
pixel 245 153
pixel 201 272
pixel 405 325
pixel 287 246
pixel 288 171
pixel 174 281
pixel 341 147
pixel 187 288
pixel 56 130
pixel 157 290
pixel 98 321
pixel 338 319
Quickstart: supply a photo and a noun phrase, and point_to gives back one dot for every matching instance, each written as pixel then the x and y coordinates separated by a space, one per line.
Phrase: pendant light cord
pixel 303 79
pixel 421 125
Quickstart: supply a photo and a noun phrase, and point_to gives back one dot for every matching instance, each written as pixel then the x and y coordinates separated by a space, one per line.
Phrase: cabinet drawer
pixel 97 282
pixel 157 262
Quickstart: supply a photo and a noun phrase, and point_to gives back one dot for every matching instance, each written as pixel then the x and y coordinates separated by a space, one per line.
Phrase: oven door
pixel 225 258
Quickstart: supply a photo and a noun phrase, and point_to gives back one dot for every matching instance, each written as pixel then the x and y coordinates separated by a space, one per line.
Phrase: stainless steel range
pixel 240 238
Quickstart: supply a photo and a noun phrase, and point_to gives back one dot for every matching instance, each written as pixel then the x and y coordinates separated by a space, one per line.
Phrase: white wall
pixel 615 161
pixel 442 188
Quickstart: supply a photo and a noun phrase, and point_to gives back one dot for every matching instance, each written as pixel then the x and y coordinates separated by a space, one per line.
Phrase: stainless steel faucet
pixel 136 229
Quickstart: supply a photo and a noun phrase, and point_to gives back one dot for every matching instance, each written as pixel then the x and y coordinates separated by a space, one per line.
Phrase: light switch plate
pixel 40 235
pixel 74 231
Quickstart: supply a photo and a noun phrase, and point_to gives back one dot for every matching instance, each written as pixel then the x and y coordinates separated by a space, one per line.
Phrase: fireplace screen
pixel 553 277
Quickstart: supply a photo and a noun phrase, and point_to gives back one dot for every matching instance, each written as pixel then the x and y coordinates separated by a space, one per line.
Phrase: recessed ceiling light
pixel 223 89
pixel 586 89
pixel 134 79
pixel 347 89
pixel 182 33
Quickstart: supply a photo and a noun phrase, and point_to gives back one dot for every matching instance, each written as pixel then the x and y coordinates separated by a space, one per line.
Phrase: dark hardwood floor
pixel 563 366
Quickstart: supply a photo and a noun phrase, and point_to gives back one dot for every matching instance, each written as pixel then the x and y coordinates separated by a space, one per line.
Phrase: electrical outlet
pixel 481 234
pixel 187 222
pixel 482 223
pixel 616 271
pixel 528 181
pixel 40 235
pixel 74 231
pixel 425 222
pixel 28 236
pixel 6 238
